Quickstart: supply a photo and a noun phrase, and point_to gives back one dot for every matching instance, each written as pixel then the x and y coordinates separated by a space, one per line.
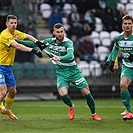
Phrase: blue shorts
pixel 6 76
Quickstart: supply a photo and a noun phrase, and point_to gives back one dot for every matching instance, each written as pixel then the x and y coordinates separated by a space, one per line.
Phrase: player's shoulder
pixel 49 39
pixel 5 33
pixel 120 36
pixel 18 32
pixel 67 40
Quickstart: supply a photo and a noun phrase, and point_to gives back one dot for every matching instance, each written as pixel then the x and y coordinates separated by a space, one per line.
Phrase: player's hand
pixel 56 58
pixel 40 45
pixel 105 65
pixel 116 67
pixel 111 66
pixel 37 52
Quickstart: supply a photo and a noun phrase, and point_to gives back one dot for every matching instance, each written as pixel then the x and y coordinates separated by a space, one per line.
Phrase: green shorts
pixel 127 72
pixel 70 75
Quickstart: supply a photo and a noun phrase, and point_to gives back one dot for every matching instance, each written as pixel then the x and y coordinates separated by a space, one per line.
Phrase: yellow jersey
pixel 7 52
pixel 116 61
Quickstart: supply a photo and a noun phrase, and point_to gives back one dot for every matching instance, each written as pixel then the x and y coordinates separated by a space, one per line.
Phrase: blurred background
pixel 92 26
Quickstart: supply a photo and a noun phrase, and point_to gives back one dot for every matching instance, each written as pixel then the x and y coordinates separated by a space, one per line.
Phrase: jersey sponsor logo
pixel 126 49
pixel 124 100
pixel 79 81
pixel 58 84
pixel 0 76
pixel 125 43
pixel 9 39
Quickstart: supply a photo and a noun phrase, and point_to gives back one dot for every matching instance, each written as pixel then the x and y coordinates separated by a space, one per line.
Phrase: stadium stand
pixel 41 74
pixel 28 69
pixel 18 71
pixel 39 70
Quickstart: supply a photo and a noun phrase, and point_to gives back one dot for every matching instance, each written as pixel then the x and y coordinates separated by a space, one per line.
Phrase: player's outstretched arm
pixel 112 58
pixel 26 49
pixel 28 43
pixel 37 43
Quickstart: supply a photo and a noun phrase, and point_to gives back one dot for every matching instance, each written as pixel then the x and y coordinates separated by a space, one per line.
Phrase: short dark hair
pixel 127 17
pixel 10 17
pixel 58 25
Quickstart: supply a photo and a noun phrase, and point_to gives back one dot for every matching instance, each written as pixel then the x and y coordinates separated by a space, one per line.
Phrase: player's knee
pixel 85 91
pixel 123 86
pixel 12 91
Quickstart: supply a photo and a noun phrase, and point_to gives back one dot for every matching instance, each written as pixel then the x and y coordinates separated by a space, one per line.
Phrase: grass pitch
pixel 51 117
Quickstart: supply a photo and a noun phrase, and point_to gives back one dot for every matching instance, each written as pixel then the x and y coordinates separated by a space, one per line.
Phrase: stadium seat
pixel 124 1
pixel 67 8
pixel 129 8
pixel 66 25
pixel 50 70
pixel 103 53
pixel 99 27
pixel 131 1
pixel 104 34
pixel 113 34
pixel 105 38
pixel 120 5
pixel 84 68
pixel 46 10
pixel 98 24
pixel 18 70
pixel 28 70
pixel 95 37
pixel 95 69
pixel 40 70
pixel 98 20
pixel 106 42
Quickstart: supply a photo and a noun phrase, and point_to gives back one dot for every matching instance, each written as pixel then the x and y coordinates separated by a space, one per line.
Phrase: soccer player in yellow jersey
pixel 8 46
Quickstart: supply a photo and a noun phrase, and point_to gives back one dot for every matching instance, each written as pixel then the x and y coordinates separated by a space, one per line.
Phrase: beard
pixel 59 38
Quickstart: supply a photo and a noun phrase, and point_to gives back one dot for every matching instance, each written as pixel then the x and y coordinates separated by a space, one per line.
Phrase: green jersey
pixel 65 51
pixel 125 46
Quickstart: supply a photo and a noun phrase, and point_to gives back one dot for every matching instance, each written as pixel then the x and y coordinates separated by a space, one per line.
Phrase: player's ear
pixel 6 23
pixel 53 32
pixel 122 27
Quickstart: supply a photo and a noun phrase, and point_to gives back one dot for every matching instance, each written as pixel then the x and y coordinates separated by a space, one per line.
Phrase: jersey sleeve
pixel 7 39
pixel 20 34
pixel 68 56
pixel 28 43
pixel 70 52
pixel 114 53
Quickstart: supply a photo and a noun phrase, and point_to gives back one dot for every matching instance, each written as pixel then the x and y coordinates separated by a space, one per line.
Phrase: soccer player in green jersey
pixel 61 51
pixel 124 44
pixel 8 46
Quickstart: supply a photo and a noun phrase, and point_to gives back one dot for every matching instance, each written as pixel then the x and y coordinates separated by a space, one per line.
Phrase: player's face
pixel 127 25
pixel 59 33
pixel 12 25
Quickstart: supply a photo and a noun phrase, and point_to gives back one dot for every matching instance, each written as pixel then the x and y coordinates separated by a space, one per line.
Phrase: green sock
pixel 67 100
pixel 90 102
pixel 125 96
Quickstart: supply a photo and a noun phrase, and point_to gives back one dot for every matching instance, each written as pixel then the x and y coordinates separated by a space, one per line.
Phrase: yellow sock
pixel 8 102
pixel 1 105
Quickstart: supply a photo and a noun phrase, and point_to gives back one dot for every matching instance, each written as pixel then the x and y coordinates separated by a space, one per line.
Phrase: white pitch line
pixel 62 106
